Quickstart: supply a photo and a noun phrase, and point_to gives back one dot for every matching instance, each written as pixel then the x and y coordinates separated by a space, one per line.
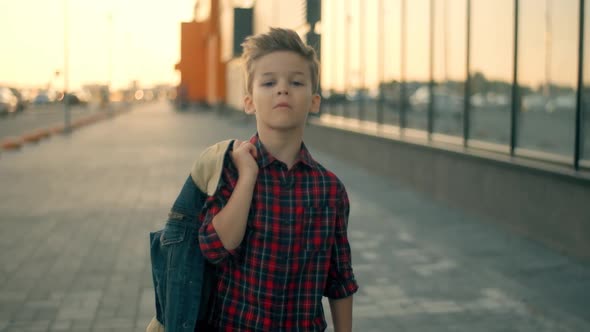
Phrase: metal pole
pixel 430 124
pixel 67 127
pixel 381 60
pixel 579 142
pixel 467 97
pixel 515 90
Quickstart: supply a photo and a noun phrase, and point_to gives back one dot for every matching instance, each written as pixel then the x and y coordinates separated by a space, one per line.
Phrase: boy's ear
pixel 249 105
pixel 315 103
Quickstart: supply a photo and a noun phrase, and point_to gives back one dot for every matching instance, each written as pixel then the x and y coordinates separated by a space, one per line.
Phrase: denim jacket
pixel 182 278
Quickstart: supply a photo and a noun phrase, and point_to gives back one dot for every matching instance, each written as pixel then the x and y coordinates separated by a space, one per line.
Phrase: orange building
pixel 202 72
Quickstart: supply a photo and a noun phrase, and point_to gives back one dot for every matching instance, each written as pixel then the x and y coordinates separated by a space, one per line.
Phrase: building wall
pixel 202 72
pixel 482 123
pixel 283 14
pixel 193 75
pixel 235 84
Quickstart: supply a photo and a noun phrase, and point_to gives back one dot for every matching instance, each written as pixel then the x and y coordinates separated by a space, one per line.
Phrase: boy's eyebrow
pixel 270 73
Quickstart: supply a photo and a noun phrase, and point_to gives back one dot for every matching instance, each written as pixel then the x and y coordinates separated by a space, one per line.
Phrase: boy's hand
pixel 244 157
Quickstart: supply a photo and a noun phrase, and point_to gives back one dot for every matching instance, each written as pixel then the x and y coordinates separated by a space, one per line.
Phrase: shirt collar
pixel 265 158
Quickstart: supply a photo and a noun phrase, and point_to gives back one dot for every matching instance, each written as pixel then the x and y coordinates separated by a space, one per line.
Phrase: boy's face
pixel 281 94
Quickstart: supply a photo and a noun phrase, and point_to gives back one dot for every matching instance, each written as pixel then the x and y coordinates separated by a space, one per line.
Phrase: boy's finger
pixel 251 148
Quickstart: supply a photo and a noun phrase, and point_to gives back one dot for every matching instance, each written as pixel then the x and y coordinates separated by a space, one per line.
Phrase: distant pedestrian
pixel 273 224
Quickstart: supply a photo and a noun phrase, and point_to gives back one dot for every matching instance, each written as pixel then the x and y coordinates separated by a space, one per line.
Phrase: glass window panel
pixel 327 41
pixel 450 20
pixel 333 60
pixel 491 69
pixel 392 61
pixel 356 70
pixel 547 75
pixel 417 62
pixel 369 49
pixel 350 68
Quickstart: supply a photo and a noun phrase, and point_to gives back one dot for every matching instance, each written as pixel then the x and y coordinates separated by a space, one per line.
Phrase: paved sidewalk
pixel 75 212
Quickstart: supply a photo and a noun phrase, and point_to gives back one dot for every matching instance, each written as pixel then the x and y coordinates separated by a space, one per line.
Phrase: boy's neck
pixel 284 146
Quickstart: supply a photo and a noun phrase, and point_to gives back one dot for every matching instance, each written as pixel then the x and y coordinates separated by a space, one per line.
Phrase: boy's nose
pixel 282 88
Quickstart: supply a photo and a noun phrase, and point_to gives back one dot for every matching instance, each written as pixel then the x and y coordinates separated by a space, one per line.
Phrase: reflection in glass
pixel 417 60
pixel 547 75
pixel 491 69
pixel 449 66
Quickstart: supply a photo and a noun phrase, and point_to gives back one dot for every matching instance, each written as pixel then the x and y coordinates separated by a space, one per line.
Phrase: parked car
pixel 73 98
pixel 42 98
pixel 8 101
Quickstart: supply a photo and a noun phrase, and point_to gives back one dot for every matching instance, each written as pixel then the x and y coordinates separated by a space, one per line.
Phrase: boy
pixel 276 228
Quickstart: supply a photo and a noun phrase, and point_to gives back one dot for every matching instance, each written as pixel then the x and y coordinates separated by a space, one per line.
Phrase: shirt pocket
pixel 318 226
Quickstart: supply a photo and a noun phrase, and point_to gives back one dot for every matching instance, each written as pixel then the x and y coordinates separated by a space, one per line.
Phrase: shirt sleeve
pixel 341 282
pixel 209 242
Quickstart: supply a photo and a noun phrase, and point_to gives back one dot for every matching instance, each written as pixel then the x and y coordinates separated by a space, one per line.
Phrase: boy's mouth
pixel 283 104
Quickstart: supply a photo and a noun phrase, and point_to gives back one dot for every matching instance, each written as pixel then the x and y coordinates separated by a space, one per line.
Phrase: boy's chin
pixel 284 126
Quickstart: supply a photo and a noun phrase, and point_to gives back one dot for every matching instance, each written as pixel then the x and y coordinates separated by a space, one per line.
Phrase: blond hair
pixel 278 39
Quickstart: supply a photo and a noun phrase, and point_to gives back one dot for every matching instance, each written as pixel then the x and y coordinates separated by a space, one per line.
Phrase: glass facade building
pixel 510 76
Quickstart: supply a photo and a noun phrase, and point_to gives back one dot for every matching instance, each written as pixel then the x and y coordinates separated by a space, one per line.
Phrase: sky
pixel 144 38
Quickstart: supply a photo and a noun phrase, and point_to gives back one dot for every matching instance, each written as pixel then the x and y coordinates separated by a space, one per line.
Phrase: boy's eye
pixel 268 83
pixel 297 83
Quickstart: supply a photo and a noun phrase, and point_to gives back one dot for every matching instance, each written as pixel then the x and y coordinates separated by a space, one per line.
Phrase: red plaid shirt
pixel 295 249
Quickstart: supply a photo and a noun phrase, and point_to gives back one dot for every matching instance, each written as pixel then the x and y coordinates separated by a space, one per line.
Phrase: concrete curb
pixel 35 136
pixel 11 143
